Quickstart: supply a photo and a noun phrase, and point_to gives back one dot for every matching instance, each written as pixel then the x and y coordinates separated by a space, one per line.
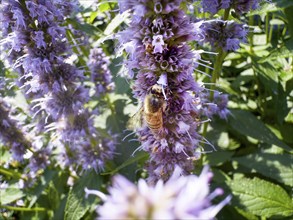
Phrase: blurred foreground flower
pixel 181 197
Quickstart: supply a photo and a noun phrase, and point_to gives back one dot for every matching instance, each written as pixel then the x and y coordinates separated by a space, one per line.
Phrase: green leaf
pixel 275 166
pixel 280 104
pixel 139 156
pixel 87 28
pixel 261 197
pixel 247 124
pixel 103 6
pixel 283 3
pixel 218 157
pixel 288 12
pixel 287 130
pixel 264 10
pixel 77 205
pixel 246 215
pixel 59 213
pixel 8 172
pixel 268 75
pixel 282 52
pixel 119 18
pixel 53 197
pixel 44 181
pixel 10 194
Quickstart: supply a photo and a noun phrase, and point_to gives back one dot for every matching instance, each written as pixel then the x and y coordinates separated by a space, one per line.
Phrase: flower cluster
pixel 35 35
pixel 100 74
pixel 222 34
pixel 240 6
pixel 159 56
pixel 211 109
pixel 181 197
pixel 10 133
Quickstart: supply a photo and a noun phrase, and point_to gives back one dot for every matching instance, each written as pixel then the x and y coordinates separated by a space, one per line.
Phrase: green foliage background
pixel 253 161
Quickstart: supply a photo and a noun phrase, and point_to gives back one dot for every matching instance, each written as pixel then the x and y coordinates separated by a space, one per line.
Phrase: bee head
pixel 156 90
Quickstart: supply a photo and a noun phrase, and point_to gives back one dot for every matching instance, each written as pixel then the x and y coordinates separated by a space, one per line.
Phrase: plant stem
pixel 219 61
pixel 113 110
pixel 23 209
pixel 217 70
pixel 226 14
pixel 250 35
pixel 10 173
pixel 271 30
pixel 215 75
pixel 267 27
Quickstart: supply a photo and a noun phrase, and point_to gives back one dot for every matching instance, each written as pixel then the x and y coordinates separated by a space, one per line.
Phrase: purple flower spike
pixel 40 160
pixel 212 6
pixel 34 38
pixel 224 34
pixel 244 6
pixel 174 104
pixel 100 74
pixel 10 133
pixel 240 6
pixel 181 197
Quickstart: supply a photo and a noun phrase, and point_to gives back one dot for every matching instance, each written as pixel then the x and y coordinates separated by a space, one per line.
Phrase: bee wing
pixel 136 121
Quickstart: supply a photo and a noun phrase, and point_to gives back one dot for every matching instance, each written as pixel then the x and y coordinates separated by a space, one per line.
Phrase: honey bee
pixel 151 112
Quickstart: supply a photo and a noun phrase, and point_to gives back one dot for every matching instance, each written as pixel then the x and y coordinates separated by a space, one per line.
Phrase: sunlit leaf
pixel 103 6
pixel 282 52
pixel 247 124
pixel 283 3
pixel 135 158
pixel 119 18
pixel 288 12
pixel 218 157
pixel 260 197
pixel 43 183
pixel 275 166
pixel 10 194
pixel 77 204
